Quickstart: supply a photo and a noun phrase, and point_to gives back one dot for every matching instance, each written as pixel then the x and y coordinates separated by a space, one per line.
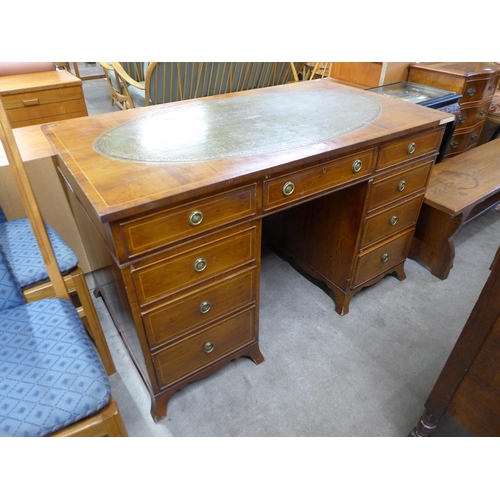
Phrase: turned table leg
pixel 426 426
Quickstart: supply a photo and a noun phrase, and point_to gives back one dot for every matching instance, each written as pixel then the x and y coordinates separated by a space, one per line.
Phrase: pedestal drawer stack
pixel 197 301
pixel 352 238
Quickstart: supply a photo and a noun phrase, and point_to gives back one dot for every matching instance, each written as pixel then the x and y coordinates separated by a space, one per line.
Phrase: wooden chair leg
pixel 92 322
pixel 107 423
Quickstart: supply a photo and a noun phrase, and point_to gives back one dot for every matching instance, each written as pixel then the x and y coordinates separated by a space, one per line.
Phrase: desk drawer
pixel 205 306
pixel 35 106
pixel 152 232
pixel 159 278
pixel 409 148
pixel 390 221
pixel 291 188
pixel 395 186
pixel 198 351
pixel 462 141
pixel 477 90
pixel 382 258
pixel 470 116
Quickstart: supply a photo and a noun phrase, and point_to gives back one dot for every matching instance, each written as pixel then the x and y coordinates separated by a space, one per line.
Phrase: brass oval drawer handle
pixel 482 112
pixel 195 218
pixel 401 185
pixel 393 220
pixel 474 137
pixel 288 188
pixel 412 147
pixel 385 257
pixel 454 144
pixel 200 265
pixel 357 166
pixel 471 92
pixel 204 307
pixel 461 119
pixel 209 347
pixel 491 86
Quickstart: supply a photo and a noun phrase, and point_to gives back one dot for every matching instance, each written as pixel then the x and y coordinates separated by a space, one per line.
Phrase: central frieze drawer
pixel 391 221
pixel 198 351
pixel 409 148
pixel 152 232
pixel 159 278
pixel 202 307
pixel 394 186
pixel 290 188
pixel 382 258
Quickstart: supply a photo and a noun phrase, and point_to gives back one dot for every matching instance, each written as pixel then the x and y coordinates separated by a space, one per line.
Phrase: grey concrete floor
pixel 366 374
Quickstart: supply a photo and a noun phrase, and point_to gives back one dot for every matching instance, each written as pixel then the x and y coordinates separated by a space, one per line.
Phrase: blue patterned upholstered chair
pixel 52 381
pixel 20 249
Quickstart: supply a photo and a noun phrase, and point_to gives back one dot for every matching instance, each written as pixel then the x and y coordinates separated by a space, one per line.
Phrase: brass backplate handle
pixel 393 220
pixel 288 188
pixel 205 306
pixel 195 217
pixel 385 257
pixel 200 265
pixel 356 166
pixel 412 147
pixel 401 185
pixel 209 347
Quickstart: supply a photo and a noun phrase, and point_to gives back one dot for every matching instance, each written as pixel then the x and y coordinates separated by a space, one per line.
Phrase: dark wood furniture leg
pixel 468 386
pixel 433 242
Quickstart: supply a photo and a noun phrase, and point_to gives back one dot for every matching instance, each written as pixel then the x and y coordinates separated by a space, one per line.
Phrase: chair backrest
pixel 176 81
pixel 30 205
pixel 136 70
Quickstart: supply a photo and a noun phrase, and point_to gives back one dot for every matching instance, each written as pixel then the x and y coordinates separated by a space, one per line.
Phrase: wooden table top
pixel 13 84
pixel 113 187
pixel 465 180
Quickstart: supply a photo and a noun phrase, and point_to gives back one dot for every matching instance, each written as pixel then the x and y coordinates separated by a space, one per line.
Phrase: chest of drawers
pixel 183 237
pixel 476 82
pixel 34 98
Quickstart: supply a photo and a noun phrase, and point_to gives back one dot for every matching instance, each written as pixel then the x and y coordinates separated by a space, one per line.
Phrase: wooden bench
pixel 459 190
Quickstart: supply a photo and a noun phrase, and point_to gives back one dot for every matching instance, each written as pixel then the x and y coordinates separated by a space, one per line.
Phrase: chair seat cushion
pixel 19 246
pixel 50 373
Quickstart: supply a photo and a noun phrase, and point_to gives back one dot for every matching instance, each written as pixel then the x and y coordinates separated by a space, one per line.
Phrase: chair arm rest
pixel 126 77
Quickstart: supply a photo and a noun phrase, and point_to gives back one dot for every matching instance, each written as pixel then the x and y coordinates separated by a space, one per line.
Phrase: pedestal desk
pixel 178 194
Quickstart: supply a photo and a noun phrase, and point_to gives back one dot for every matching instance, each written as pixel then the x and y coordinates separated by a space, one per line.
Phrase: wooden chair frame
pixel 122 99
pixel 76 284
pixel 126 79
pixel 107 421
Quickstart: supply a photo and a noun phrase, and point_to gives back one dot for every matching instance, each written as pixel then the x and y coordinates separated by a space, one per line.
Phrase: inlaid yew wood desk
pixel 178 194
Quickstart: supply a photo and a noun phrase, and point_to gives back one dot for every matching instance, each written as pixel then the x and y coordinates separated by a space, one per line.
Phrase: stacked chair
pixel 52 380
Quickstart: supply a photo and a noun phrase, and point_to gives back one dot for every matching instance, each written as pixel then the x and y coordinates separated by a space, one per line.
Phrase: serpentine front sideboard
pixel 178 194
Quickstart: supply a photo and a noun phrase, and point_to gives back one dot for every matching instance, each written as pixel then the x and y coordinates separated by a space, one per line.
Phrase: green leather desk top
pixel 240 126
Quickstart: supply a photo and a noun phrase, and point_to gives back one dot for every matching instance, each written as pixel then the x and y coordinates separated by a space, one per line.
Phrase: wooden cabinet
pixel 183 237
pixel 476 82
pixel 34 98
